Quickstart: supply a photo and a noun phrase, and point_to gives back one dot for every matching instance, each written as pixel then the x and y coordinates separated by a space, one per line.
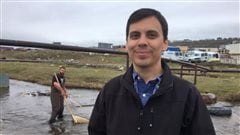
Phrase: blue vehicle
pixel 172 53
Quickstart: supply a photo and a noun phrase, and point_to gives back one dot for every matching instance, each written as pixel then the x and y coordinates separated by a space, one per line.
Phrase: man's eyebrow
pixel 152 30
pixel 149 31
pixel 135 31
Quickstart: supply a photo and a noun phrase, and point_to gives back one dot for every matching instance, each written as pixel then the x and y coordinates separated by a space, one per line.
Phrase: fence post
pixel 195 74
pixel 181 71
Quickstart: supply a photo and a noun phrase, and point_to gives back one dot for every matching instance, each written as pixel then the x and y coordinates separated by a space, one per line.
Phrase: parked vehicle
pixel 195 56
pixel 173 53
pixel 213 56
pixel 191 58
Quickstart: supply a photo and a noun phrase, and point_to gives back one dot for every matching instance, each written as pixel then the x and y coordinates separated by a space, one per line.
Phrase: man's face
pixel 61 71
pixel 145 42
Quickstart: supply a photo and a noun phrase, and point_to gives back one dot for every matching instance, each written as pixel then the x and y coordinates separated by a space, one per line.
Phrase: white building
pixel 233 48
pixel 234 54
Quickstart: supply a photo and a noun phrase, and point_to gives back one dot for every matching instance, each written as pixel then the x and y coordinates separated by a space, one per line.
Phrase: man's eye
pixel 134 35
pixel 152 35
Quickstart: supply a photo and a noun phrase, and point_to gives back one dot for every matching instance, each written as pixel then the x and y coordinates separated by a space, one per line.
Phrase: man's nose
pixel 142 41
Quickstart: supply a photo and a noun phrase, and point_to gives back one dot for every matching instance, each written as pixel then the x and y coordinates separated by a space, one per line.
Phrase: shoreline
pixel 224 85
pixel 98 89
pixel 67 86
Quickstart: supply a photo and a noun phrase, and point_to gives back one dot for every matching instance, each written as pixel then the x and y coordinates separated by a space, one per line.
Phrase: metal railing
pixel 191 67
pixel 7 42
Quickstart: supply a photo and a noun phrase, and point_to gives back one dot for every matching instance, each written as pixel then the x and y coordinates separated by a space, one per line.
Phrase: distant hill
pixel 208 43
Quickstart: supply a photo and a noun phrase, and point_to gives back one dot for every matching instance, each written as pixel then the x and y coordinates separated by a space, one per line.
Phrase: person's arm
pixel 97 123
pixel 197 119
pixel 58 86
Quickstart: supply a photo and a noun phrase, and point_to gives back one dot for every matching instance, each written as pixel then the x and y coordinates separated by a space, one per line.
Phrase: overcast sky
pixel 87 23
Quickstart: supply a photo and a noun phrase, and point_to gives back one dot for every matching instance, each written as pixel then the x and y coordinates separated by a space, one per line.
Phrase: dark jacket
pixel 175 109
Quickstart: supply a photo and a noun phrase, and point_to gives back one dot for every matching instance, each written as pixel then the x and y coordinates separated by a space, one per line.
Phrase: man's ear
pixel 165 45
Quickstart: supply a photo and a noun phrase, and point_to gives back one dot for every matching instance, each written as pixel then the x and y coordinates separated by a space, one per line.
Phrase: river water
pixel 23 114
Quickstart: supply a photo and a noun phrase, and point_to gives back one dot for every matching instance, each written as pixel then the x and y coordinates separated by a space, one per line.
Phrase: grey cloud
pixel 88 23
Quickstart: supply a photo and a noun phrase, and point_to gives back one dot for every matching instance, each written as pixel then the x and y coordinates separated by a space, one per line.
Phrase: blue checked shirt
pixel 145 91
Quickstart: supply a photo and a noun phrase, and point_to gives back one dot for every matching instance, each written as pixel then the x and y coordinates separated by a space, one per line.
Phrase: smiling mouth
pixel 142 53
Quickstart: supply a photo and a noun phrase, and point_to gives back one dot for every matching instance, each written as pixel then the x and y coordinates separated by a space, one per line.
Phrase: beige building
pixel 234 54
pixel 120 48
pixel 233 48
pixel 183 49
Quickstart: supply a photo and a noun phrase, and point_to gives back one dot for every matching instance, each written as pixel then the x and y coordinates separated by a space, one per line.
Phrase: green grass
pixel 225 85
pixel 83 77
pixel 63 56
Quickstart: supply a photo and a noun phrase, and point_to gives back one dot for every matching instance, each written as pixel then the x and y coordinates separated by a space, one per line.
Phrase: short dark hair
pixel 144 13
pixel 62 67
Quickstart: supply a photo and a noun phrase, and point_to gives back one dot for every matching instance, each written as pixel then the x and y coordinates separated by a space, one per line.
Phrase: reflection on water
pixel 28 115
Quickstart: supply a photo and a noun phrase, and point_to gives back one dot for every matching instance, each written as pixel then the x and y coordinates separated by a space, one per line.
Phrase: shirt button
pixel 139 128
pixel 150 125
pixel 144 95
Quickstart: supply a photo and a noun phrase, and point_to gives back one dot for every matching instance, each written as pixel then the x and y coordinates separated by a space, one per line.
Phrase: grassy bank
pixel 79 75
pixel 224 85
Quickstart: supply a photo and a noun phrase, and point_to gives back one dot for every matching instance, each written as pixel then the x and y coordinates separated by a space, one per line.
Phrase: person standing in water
pixel 58 94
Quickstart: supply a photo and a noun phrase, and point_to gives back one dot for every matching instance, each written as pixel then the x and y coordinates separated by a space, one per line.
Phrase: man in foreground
pixel 148 99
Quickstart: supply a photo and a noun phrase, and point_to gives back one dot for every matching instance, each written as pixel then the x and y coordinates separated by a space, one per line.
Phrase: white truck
pixel 195 56
pixel 213 56
pixel 173 53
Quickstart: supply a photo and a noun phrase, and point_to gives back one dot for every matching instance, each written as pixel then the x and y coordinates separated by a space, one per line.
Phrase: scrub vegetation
pixel 92 71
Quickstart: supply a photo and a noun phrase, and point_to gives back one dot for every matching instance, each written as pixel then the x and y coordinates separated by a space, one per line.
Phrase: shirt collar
pixel 137 77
